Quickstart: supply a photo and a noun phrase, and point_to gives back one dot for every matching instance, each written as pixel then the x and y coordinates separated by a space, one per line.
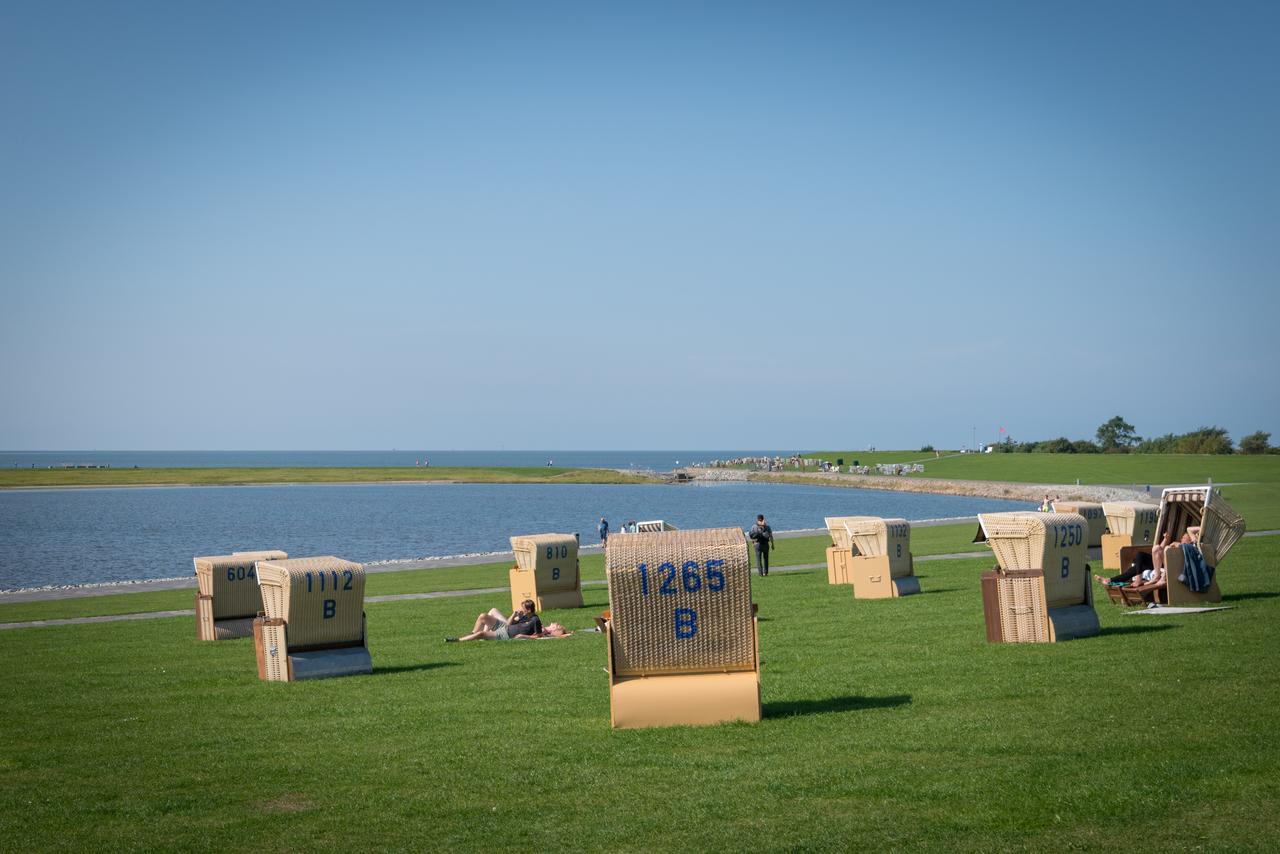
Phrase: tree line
pixel 1118 436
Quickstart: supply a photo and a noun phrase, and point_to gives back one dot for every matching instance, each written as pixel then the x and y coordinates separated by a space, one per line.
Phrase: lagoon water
pixel 79 536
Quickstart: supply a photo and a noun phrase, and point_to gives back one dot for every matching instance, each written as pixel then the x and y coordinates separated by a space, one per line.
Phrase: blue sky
pixel 589 226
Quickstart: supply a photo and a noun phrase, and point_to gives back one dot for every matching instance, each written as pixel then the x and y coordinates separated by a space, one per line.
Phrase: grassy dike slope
pixel 888 724
pixel 1254 479
pixel 242 476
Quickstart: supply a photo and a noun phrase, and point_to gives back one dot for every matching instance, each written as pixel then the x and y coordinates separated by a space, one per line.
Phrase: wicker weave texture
pixel 552 558
pixel 873 536
pixel 681 602
pixel 1221 527
pixel 275 653
pixel 1023 618
pixel 232 581
pixel 320 598
pixel 1093 515
pixel 1134 519
pixel 1051 542
pixel 836 527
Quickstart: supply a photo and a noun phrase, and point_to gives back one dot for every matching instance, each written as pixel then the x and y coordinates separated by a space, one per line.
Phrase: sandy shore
pixel 1030 492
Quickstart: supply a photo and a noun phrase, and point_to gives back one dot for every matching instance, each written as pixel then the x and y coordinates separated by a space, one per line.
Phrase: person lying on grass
pixel 523 624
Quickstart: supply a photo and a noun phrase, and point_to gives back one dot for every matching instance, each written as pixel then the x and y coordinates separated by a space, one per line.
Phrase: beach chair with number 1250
pixel 1040 591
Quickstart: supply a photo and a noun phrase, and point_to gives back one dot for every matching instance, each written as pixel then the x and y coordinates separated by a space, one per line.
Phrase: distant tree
pixel 926 449
pixel 1117 436
pixel 1084 446
pixel 1206 440
pixel 1256 443
pixel 1166 444
pixel 1060 445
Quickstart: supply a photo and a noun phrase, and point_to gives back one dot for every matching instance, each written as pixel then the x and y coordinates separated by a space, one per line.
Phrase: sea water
pixel 78 536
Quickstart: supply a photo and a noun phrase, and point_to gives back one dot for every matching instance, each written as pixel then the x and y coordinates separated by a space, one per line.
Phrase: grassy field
pixel 1124 469
pixel 242 476
pixel 888 724
pixel 1256 479
pixel 942 539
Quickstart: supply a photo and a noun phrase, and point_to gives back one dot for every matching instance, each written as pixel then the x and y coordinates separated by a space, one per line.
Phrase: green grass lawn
pixel 888 724
pixel 1124 469
pixel 241 476
pixel 1257 495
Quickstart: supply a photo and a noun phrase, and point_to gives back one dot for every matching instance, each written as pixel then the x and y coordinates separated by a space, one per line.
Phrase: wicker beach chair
pixel 227 595
pixel 841 551
pixel 1221 527
pixel 654 526
pixel 313 624
pixel 1040 591
pixel 1093 514
pixel 546 571
pixel 682 642
pixel 882 566
pixel 1129 523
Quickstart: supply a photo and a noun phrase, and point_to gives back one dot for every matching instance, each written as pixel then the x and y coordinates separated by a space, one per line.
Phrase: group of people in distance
pixel 1149 579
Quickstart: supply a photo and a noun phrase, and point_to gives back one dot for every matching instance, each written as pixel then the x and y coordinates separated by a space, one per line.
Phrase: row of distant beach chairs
pixel 681 630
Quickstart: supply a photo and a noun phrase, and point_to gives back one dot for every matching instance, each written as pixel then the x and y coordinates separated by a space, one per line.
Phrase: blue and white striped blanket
pixel 1197 574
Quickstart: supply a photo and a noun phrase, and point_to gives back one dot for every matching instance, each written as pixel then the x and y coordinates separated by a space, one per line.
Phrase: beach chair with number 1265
pixel 681 637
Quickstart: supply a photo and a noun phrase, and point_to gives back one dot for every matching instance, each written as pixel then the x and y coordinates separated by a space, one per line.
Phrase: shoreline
pixel 1002 489
pixel 148 585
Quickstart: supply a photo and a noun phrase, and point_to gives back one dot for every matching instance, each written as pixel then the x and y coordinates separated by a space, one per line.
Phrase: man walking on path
pixel 603 528
pixel 763 535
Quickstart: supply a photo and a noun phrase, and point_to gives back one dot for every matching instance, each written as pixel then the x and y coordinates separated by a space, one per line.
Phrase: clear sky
pixel 543 225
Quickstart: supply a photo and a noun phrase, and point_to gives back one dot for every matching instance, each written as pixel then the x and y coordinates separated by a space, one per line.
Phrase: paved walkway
pixel 1093 554
pixel 396 597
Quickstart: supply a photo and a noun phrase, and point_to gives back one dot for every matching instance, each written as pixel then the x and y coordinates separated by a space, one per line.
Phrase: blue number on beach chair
pixel 686 623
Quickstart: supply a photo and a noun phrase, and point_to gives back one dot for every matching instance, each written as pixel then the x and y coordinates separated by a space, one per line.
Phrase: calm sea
pixel 653 460
pixel 78 536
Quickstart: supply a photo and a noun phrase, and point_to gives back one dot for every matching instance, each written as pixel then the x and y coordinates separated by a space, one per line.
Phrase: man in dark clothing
pixel 603 530
pixel 763 535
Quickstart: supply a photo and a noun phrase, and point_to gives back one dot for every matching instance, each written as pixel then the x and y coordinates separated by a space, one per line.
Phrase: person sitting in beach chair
pixel 523 624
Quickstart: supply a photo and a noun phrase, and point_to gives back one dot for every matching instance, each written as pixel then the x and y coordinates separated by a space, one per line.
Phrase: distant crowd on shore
pixel 799 463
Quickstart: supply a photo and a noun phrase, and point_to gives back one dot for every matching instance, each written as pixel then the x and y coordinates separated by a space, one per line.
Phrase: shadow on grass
pixel 1241 597
pixel 833 704
pixel 1135 630
pixel 924 590
pixel 414 668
